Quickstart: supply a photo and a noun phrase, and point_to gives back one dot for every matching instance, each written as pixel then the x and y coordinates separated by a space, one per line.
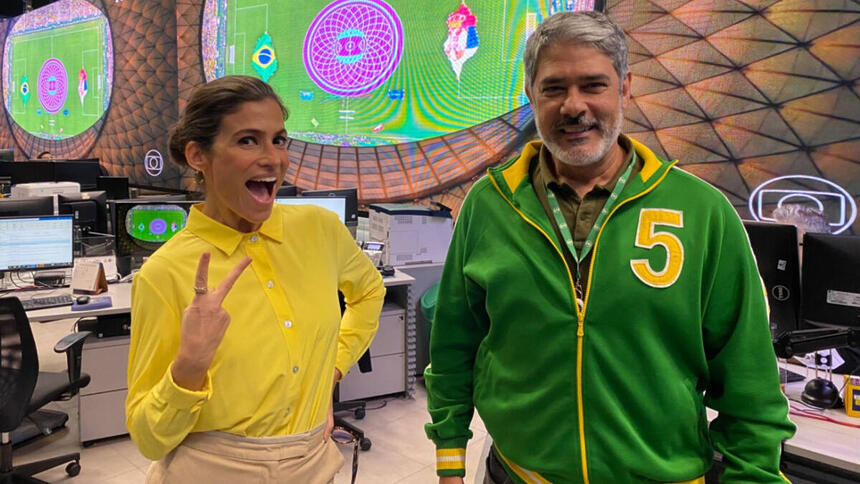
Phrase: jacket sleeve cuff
pixel 182 398
pixel 451 462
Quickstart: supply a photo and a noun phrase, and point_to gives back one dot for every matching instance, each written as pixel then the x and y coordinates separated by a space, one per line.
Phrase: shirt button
pixel 295 369
pixel 288 324
pixel 270 284
pixel 254 238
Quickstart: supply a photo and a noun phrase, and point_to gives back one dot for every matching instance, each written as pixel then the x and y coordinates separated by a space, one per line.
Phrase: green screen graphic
pixel 57 72
pixel 154 223
pixel 460 63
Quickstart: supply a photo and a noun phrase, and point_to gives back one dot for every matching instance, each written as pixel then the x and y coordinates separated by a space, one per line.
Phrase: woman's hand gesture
pixel 204 323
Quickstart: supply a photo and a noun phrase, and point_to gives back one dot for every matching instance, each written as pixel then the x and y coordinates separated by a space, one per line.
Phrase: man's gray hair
pixel 803 216
pixel 592 28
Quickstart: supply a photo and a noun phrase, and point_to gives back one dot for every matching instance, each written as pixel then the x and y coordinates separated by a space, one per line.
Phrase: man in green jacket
pixel 595 299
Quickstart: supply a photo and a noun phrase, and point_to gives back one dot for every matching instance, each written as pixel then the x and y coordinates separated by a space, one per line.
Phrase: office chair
pixel 24 389
pixel 358 407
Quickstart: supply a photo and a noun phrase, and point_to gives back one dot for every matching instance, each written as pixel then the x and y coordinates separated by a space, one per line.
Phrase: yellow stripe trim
pixel 528 476
pixel 700 480
pixel 515 173
pixel 652 164
pixel 450 459
pixel 450 452
pixel 450 465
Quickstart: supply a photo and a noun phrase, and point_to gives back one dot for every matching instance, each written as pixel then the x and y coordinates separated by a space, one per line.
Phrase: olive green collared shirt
pixel 580 214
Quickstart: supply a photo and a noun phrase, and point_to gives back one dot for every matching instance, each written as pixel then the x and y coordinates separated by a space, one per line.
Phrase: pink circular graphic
pixel 52 85
pixel 158 226
pixel 353 46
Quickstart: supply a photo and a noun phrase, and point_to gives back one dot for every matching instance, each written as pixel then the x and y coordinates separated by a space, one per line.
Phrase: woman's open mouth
pixel 261 189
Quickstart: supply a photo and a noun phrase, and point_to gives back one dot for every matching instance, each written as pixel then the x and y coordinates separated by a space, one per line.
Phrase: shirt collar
pixel 226 238
pixel 550 180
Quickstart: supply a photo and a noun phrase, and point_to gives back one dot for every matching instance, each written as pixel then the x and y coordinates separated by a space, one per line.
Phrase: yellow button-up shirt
pixel 272 373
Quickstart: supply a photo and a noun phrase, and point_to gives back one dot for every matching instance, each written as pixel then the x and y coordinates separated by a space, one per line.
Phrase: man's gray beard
pixel 573 157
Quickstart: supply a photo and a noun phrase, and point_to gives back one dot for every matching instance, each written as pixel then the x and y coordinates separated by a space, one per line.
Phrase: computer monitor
pixel 351 195
pixel 88 208
pixel 164 198
pixel 7 155
pixel 287 190
pixel 86 172
pixel 831 281
pixel 116 187
pixel 334 204
pixel 776 254
pixel 15 207
pixel 32 171
pixel 141 226
pixel 30 243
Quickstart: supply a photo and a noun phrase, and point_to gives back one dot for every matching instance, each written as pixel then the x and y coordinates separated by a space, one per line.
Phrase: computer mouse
pixel 82 299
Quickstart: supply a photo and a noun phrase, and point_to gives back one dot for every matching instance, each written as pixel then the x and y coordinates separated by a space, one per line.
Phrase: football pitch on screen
pixel 422 98
pixel 76 46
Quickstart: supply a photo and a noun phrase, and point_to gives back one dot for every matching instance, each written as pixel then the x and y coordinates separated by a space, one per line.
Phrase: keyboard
pixel 788 376
pixel 46 302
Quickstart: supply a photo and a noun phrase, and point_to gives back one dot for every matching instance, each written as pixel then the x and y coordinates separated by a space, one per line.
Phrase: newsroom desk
pixel 819 450
pixel 120 295
pixel 101 404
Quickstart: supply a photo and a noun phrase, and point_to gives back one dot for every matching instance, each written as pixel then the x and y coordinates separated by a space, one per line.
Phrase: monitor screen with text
pixel 28 243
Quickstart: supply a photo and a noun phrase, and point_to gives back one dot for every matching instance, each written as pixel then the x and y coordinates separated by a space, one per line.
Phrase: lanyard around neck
pixel 601 217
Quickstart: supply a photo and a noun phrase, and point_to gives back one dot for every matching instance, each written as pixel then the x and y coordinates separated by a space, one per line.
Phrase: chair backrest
pixel 19 363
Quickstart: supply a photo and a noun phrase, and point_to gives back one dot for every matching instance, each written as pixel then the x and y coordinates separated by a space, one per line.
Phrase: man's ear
pixel 626 93
pixel 528 91
pixel 195 156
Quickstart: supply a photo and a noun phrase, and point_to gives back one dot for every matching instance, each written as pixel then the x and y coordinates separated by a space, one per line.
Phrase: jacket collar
pixel 225 238
pixel 512 176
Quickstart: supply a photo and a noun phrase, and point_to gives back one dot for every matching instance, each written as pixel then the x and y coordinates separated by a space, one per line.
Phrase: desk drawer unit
pixel 390 338
pixel 102 415
pixel 106 361
pixel 388 376
pixel 101 404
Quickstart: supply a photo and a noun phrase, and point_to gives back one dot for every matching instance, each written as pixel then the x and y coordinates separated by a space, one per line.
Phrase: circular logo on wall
pixel 833 201
pixel 780 292
pixel 153 162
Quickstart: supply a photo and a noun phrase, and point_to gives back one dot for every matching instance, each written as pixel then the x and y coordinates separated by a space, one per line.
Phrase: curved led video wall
pixel 58 69
pixel 758 98
pixel 378 72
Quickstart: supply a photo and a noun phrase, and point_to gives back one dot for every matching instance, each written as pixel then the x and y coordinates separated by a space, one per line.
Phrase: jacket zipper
pixel 580 321
pixel 580 315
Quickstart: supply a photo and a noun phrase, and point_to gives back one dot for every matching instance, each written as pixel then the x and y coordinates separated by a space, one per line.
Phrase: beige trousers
pixel 216 457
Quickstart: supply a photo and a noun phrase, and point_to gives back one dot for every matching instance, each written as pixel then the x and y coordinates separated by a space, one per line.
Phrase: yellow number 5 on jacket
pixel 647 238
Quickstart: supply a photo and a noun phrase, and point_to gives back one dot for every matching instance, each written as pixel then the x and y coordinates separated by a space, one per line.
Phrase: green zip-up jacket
pixel 674 320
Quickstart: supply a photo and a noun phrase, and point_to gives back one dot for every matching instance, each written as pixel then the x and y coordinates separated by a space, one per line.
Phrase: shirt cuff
pixel 182 398
pixel 343 371
pixel 451 462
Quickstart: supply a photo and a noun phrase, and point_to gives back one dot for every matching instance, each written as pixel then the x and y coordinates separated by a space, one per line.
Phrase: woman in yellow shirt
pixel 237 335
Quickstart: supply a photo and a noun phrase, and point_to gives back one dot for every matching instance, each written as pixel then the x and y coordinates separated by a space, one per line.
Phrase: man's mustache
pixel 576 122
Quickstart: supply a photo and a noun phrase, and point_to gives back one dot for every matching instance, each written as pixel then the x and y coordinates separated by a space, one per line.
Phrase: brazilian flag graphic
pixel 263 59
pixel 25 89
